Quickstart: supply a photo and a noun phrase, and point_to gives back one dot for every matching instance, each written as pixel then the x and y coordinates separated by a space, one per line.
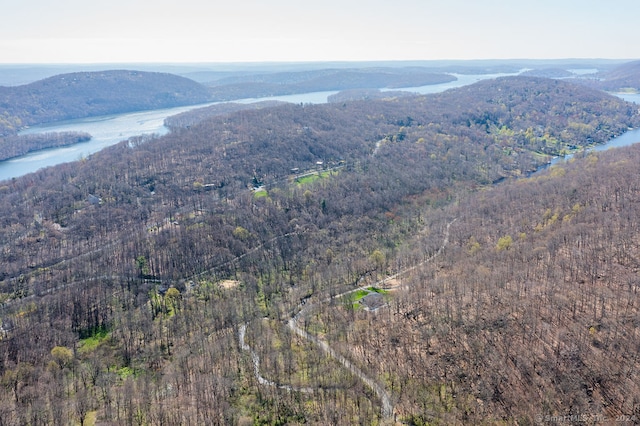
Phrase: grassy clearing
pixel 260 194
pixel 307 179
pixel 304 180
pixel 357 295
pixel 354 299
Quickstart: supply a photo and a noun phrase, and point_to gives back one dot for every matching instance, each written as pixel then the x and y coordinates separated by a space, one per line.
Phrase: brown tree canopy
pixel 128 276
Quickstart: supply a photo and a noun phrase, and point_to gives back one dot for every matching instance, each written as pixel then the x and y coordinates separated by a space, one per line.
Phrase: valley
pixel 148 283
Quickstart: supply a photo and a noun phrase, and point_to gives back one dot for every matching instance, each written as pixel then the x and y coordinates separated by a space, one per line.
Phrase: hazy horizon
pixel 19 74
pixel 345 63
pixel 196 31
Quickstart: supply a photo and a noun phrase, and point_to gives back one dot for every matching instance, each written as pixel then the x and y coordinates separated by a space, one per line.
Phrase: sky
pixel 125 31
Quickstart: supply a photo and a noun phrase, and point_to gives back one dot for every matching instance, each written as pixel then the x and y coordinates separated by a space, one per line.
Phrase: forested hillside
pixel 625 77
pixel 16 145
pixel 285 83
pixel 87 94
pixel 201 277
pixel 191 117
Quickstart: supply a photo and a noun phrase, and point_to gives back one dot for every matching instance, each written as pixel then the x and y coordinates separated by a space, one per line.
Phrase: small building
pixel 373 301
pixel 92 199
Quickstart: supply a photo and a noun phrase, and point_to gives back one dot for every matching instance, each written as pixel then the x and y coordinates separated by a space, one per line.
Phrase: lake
pixel 111 129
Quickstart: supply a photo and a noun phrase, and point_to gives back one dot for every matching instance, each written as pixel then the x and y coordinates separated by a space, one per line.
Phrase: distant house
pixel 372 301
pixel 6 326
pixel 92 199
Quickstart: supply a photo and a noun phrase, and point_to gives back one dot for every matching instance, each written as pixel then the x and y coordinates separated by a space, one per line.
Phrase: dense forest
pixel 366 94
pixel 188 118
pixel 625 77
pixel 16 145
pixel 358 262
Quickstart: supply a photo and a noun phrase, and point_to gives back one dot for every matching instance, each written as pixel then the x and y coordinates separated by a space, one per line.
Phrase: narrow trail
pixel 256 365
pixel 383 395
pixel 385 398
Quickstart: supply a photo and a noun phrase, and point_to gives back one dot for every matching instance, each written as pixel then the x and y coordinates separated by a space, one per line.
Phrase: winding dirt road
pixel 383 395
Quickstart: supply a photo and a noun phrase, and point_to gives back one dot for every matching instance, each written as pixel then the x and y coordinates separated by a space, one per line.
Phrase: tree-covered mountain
pixel 191 117
pixel 86 94
pixel 160 280
pixel 621 78
pixel 285 83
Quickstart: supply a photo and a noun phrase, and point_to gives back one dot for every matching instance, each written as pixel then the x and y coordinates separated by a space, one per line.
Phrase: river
pixel 111 129
pixel 630 137
pixel 631 97
pixel 105 131
pixel 462 80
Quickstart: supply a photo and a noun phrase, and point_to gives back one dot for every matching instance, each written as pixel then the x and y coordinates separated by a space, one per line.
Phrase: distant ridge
pixel 625 76
pixel 85 94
